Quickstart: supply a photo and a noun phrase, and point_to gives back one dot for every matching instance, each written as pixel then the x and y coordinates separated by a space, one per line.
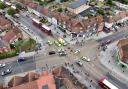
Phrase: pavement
pixel 115 69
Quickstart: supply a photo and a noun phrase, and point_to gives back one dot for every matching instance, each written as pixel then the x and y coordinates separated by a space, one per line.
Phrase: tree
pixel 11 11
pixel 101 12
pixel 18 6
pixel 2 5
pixel 109 2
pixel 60 10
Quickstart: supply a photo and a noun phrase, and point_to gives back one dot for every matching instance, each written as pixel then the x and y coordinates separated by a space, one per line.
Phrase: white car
pixel 79 63
pixel 85 59
pixel 2 65
pixel 77 51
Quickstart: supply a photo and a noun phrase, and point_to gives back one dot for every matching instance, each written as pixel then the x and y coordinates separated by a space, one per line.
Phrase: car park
pixel 52 52
pixel 2 65
pixel 79 63
pixel 85 59
pixel 5 72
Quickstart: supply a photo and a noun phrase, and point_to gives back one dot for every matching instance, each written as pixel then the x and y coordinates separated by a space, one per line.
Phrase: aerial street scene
pixel 63 44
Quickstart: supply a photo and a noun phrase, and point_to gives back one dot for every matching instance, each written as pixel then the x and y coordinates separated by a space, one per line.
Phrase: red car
pixel 108 42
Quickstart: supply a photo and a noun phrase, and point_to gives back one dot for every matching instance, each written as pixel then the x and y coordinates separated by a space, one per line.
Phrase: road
pixel 116 36
pixel 94 68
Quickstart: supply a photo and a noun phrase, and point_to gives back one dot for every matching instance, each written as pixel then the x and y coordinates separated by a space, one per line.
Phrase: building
pixel 78 6
pixel 119 17
pixel 32 81
pixel 64 77
pixel 4 23
pixel 4 46
pixel 123 50
pixel 12 35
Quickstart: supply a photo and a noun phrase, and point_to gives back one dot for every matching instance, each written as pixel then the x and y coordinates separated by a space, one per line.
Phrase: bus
pixel 105 84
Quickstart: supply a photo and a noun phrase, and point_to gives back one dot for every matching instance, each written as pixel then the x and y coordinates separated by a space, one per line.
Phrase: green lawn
pixel 26 45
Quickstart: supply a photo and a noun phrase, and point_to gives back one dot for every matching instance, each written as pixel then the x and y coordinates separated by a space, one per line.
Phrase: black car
pixel 21 60
pixel 52 52
pixel 5 72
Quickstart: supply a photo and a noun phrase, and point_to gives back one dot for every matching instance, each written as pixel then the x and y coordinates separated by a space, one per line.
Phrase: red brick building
pixel 123 50
pixel 32 81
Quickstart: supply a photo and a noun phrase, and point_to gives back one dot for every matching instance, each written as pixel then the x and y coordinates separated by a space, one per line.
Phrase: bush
pixel 2 5
pixel 11 11
pixel 8 54
pixel 18 6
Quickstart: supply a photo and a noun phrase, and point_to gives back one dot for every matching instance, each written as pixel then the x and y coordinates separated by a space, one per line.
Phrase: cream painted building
pixel 78 6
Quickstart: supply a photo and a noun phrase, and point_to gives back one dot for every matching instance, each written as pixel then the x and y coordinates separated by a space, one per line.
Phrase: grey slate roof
pixel 77 3
pixel 2 43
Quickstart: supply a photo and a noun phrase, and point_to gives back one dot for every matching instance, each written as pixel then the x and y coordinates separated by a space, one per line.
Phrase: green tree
pixel 11 11
pixel 18 6
pixel 109 2
pixel 60 10
pixel 101 12
pixel 2 5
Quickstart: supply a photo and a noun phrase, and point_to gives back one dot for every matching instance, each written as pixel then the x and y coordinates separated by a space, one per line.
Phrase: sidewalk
pixel 109 62
pixel 8 60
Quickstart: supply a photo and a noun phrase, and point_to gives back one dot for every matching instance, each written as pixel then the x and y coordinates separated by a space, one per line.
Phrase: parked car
pixel 79 63
pixel 85 59
pixel 52 52
pixel 5 72
pixel 2 65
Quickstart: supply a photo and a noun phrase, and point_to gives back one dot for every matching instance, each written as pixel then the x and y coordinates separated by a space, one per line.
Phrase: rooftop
pixel 33 81
pixel 78 3
pixel 123 44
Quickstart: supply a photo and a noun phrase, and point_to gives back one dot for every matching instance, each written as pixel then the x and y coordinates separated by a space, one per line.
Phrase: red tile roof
pixel 33 5
pixel 123 49
pixel 4 22
pixel 42 80
pixel 117 17
pixel 12 34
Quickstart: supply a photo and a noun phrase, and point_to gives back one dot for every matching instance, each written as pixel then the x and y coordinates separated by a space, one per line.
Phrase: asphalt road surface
pixel 28 23
pixel 114 81
pixel 116 36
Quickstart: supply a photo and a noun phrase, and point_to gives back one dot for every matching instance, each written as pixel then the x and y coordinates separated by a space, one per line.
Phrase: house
pixel 78 6
pixel 12 35
pixel 33 81
pixel 123 50
pixel 4 23
pixel 4 46
pixel 119 17
pixel 33 7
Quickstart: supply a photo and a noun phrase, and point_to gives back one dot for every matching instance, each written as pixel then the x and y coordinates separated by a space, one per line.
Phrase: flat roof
pixel 77 3
pixel 110 85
